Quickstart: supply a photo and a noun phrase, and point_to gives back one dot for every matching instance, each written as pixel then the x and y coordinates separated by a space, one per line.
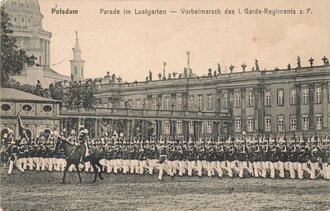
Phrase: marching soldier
pixel 230 151
pixel 3 150
pixel 242 157
pixel 163 155
pixel 152 156
pixel 274 157
pixel 303 158
pixel 283 158
pixel 315 156
pixel 257 157
pixel 201 156
pixel 13 155
pixel 220 158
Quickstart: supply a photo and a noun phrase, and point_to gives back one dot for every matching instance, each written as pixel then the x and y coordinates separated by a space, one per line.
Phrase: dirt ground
pixel 43 191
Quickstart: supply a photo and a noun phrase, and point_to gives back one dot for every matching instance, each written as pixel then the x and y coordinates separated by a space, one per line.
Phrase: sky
pixel 131 45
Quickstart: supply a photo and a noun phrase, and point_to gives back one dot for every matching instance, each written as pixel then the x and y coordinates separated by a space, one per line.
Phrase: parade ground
pixel 43 191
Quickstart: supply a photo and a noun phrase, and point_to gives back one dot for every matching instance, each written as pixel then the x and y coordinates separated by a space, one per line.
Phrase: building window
pixel 268 98
pixel 225 100
pixel 191 102
pixel 280 97
pixel 138 104
pixel 167 104
pixel 209 101
pixel 191 127
pixel 47 108
pixel 5 107
pixel 237 125
pixel 305 95
pixel 268 124
pixel 179 103
pixel 200 102
pixel 293 96
pixel 305 122
pixel 250 98
pixel 319 122
pixel 22 20
pixel 167 128
pixel 122 104
pixel 209 127
pixel 237 99
pixel 293 123
pixel 250 125
pixel 280 124
pixel 318 95
pixel 26 107
pixel 145 104
pixel 154 104
pixel 179 127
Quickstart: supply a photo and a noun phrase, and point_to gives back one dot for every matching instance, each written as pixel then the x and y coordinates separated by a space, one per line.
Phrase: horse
pixel 73 155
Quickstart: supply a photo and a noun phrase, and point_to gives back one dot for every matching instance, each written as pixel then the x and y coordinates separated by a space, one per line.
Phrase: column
pixel 217 101
pixel 45 52
pixel 196 132
pixel 96 128
pixel 311 106
pixel 174 129
pixel 184 130
pixel 145 128
pixel 160 127
pixel 215 129
pixel 298 106
pixel 128 128
pixel 243 109
pixel 325 108
pixel 48 53
pixel 258 110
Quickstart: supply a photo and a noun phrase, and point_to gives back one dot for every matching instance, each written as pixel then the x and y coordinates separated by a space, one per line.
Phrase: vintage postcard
pixel 165 105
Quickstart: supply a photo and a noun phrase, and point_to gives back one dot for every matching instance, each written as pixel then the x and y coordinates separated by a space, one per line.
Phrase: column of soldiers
pixel 236 157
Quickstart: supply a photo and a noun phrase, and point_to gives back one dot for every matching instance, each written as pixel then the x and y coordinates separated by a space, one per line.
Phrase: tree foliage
pixel 13 59
pixel 81 94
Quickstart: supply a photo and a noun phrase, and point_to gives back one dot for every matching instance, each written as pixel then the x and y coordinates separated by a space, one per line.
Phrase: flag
pixel 21 129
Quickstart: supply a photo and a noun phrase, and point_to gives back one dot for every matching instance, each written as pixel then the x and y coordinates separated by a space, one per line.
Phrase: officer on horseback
pixel 83 141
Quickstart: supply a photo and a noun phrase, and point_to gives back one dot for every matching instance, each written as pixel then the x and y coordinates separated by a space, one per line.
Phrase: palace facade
pixel 277 102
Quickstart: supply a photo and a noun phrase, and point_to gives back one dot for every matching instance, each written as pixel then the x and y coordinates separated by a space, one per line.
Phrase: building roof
pixel 10 94
pixel 52 73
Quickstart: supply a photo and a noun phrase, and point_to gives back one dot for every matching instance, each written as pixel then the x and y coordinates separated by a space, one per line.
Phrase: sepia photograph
pixel 165 105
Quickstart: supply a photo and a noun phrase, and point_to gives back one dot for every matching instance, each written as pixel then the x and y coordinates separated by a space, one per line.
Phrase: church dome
pixel 25 14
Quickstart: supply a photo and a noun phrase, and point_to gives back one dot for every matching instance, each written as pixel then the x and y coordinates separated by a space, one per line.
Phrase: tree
pixel 80 94
pixel 13 59
pixel 56 90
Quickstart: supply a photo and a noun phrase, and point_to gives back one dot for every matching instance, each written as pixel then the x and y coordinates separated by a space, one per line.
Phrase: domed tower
pixel 77 64
pixel 27 26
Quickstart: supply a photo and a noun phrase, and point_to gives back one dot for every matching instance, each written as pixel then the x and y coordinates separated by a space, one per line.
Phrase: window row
pixel 305 124
pixel 26 107
pixel 280 96
pixel 168 104
pixel 179 128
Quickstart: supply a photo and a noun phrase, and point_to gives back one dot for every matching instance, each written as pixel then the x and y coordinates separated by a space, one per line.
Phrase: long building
pixel 277 102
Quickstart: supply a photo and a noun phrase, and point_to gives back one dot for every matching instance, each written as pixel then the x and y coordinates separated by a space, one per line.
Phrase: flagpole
pixel 17 127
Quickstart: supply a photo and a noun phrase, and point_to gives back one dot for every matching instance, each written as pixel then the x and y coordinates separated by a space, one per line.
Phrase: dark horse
pixel 73 154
